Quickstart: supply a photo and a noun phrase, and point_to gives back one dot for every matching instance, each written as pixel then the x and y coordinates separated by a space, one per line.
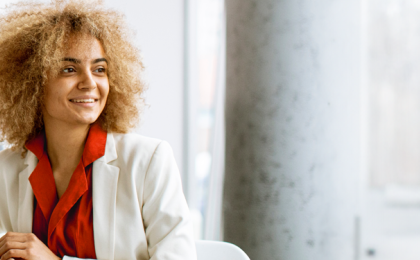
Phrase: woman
pixel 74 184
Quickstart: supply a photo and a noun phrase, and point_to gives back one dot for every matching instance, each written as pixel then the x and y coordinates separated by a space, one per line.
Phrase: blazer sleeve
pixel 165 212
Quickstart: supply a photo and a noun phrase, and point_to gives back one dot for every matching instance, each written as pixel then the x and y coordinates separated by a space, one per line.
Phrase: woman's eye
pixel 68 70
pixel 100 70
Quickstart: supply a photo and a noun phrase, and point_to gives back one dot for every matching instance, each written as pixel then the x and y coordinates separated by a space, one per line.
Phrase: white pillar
pixel 292 128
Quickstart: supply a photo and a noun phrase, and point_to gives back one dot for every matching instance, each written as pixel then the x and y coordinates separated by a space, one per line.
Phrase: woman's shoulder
pixel 138 156
pixel 11 158
pixel 11 164
pixel 133 144
pixel 133 139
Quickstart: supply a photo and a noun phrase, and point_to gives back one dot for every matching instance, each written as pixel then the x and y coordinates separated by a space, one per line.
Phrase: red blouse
pixel 65 225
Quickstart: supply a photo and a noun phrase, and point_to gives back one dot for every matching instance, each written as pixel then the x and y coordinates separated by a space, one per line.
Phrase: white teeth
pixel 89 100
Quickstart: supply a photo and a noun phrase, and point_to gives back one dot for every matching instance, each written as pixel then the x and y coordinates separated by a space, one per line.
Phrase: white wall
pixel 159 27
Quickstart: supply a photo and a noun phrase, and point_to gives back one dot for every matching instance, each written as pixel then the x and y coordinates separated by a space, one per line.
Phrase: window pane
pixel 394 86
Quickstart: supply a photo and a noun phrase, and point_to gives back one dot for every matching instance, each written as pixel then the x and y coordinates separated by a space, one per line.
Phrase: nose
pixel 87 81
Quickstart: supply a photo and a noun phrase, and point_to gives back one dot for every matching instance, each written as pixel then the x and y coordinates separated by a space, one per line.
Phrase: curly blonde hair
pixel 33 37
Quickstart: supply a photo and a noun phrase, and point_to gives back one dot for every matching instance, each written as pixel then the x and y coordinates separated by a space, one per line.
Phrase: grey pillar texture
pixel 292 128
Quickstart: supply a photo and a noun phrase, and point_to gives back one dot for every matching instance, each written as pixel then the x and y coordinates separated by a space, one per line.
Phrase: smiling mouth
pixel 89 100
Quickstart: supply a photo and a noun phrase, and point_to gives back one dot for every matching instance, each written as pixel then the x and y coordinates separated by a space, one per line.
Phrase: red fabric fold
pixel 65 225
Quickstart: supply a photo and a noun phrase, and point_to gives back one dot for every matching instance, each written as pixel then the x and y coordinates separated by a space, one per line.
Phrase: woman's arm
pixel 165 212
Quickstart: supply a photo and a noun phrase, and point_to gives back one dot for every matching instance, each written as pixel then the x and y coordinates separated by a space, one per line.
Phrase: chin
pixel 88 121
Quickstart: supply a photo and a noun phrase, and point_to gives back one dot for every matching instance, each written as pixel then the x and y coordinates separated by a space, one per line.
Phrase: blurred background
pixel 295 124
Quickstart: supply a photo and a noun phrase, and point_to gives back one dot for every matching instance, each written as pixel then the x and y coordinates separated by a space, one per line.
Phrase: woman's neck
pixel 65 146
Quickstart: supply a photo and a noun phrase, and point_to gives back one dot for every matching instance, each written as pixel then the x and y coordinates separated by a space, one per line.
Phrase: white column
pixel 292 128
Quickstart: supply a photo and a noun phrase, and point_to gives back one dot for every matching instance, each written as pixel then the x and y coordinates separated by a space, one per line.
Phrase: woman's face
pixel 77 96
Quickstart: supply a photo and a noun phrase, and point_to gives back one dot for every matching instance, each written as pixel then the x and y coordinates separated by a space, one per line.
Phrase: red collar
pixel 94 146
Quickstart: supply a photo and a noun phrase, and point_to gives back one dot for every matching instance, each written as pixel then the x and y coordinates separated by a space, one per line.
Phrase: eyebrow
pixel 77 61
pixel 99 60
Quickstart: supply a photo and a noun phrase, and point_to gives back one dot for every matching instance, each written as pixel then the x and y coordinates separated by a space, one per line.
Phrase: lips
pixel 84 100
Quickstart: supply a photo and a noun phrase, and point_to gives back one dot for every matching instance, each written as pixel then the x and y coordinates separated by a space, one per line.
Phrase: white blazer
pixel 139 210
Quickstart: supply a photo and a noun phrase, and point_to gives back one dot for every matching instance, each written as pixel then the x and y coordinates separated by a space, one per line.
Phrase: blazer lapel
pixel 26 195
pixel 104 182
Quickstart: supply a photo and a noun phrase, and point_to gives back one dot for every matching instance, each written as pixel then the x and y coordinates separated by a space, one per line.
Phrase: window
pixel 206 124
pixel 391 200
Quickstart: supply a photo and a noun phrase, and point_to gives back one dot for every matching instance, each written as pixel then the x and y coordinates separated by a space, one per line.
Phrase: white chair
pixel 216 250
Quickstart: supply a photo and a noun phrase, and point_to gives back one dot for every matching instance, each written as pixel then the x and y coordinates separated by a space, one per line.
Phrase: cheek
pixel 53 100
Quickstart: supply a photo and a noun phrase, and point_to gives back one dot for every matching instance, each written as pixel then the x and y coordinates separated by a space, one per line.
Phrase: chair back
pixel 217 250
